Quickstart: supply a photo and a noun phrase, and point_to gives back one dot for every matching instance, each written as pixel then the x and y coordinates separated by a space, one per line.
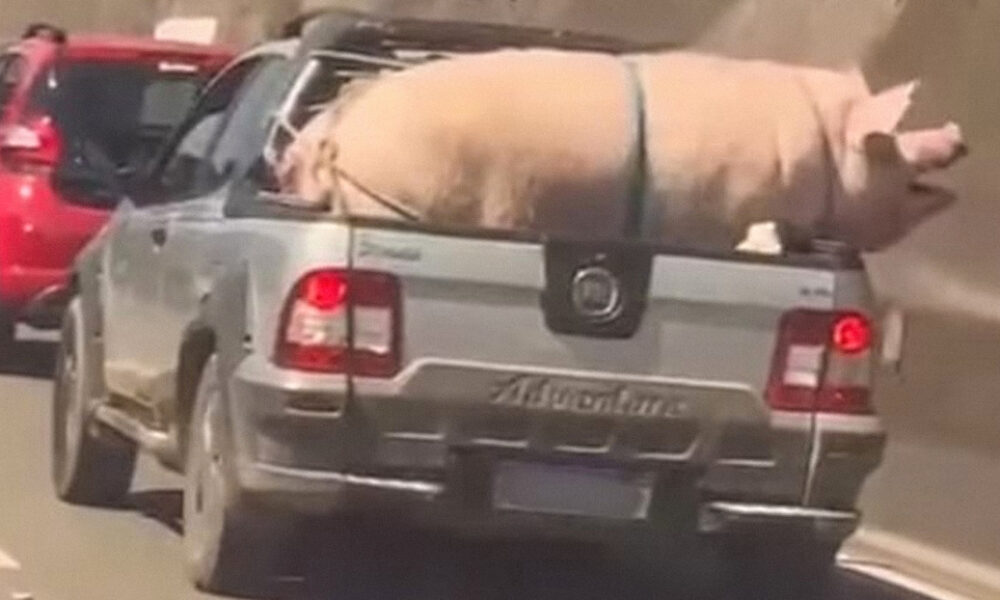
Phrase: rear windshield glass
pixel 325 78
pixel 320 83
pixel 123 110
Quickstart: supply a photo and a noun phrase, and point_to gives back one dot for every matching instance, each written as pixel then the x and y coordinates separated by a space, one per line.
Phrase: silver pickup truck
pixel 292 363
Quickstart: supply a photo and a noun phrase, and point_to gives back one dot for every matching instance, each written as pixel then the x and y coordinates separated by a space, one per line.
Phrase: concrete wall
pixel 241 21
pixel 130 16
pixel 942 475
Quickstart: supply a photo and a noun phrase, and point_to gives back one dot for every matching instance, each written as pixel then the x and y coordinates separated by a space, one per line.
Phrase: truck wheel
pixel 780 567
pixel 230 547
pixel 90 464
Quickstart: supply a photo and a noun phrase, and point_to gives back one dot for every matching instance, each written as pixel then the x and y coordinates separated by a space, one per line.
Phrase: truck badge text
pixel 544 394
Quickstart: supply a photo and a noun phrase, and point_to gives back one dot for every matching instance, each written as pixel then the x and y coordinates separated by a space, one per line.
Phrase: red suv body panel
pixel 40 231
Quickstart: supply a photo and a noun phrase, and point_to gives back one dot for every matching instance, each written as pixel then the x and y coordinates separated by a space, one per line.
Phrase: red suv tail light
pixel 36 143
pixel 342 321
pixel 823 363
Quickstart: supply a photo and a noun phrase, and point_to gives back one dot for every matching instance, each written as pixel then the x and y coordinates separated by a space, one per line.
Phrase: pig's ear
pixel 880 113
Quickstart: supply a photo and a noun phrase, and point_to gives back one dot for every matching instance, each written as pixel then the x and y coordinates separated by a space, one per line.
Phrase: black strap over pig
pixel 636 198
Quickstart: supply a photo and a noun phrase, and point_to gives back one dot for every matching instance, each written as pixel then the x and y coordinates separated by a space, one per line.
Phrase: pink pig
pixel 547 140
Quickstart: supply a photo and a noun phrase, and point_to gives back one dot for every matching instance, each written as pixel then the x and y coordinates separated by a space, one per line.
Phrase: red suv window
pixel 122 111
pixel 11 67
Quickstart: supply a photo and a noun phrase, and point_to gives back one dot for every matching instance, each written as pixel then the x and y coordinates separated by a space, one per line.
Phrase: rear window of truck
pixel 322 80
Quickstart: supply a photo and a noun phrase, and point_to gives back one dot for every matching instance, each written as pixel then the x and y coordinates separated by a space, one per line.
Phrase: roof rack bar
pixel 359 57
pixel 351 30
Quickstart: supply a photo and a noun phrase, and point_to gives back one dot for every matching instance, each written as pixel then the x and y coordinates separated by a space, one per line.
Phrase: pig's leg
pixel 762 238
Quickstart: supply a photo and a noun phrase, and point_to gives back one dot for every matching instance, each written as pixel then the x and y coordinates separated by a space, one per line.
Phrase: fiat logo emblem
pixel 596 294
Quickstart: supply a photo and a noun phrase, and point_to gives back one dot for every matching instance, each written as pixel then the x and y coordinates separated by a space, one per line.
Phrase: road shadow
pixel 359 563
pixel 356 563
pixel 163 506
pixel 31 358
pixel 350 560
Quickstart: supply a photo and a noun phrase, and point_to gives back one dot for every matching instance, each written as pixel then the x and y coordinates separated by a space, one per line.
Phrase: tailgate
pixel 526 341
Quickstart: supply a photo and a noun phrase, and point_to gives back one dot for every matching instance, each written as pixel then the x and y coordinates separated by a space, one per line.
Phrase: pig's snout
pixel 932 149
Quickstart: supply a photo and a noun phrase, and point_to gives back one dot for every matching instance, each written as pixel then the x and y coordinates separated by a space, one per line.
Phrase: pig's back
pixel 515 139
pixel 728 139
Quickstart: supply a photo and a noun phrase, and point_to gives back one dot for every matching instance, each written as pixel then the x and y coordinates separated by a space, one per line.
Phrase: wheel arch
pixel 220 329
pixel 84 282
pixel 84 285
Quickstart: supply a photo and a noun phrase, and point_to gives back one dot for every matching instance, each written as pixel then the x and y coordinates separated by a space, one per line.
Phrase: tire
pixel 7 328
pixel 91 464
pixel 780 567
pixel 230 547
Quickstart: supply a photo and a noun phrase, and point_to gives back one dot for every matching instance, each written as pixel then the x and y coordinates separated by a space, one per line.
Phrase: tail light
pixel 36 143
pixel 823 363
pixel 342 321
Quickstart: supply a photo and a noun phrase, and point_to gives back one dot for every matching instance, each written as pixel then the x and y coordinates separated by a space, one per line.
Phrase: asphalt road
pixel 51 551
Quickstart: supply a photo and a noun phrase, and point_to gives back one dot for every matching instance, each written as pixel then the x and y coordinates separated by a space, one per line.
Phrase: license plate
pixel 576 491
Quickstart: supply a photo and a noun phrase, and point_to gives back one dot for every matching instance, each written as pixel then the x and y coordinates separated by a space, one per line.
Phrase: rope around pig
pixel 392 204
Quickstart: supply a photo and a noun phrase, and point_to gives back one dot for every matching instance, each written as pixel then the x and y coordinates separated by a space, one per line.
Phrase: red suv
pixel 86 104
